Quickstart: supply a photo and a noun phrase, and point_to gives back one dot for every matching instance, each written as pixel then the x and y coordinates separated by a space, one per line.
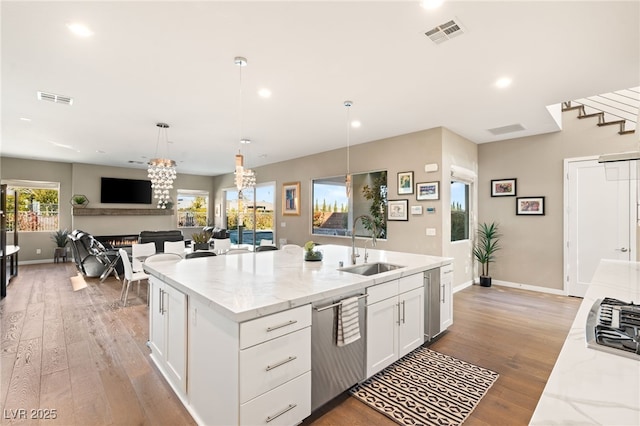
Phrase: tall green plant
pixel 486 246
pixel 377 194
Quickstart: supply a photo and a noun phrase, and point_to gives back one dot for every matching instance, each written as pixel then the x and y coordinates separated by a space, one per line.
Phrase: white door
pixel 600 216
pixel 411 330
pixel 382 334
pixel 176 337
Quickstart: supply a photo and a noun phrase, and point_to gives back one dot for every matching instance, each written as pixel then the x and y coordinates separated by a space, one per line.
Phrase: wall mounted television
pixel 125 191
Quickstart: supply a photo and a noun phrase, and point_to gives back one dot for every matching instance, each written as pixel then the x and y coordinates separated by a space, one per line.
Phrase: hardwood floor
pixel 83 355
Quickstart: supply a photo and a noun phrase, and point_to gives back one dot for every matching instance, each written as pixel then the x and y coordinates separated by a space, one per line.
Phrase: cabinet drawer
pixel 410 283
pixel 382 291
pixel 270 364
pixel 272 326
pixel 287 405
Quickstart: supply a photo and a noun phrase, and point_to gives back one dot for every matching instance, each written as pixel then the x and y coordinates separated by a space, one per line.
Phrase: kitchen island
pixel 231 334
pixel 589 386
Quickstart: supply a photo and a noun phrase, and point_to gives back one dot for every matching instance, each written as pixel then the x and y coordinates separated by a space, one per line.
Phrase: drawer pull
pixel 271 367
pixel 286 324
pixel 275 416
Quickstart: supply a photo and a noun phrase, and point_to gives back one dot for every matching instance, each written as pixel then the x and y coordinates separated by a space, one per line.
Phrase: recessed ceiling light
pixel 355 124
pixel 245 141
pixel 503 82
pixel 80 30
pixel 265 93
pixel 25 119
pixel 99 151
pixel 431 4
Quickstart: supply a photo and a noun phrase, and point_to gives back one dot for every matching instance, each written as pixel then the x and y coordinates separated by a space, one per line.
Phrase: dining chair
pixel 266 248
pixel 139 250
pixel 238 251
pixel 199 254
pixel 176 247
pixel 221 245
pixel 129 276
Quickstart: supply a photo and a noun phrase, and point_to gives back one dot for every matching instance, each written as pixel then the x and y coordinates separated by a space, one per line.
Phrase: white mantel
pixel 588 386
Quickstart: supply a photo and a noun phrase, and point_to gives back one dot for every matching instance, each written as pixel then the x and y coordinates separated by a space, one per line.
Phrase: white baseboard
pixel 462 286
pixel 529 287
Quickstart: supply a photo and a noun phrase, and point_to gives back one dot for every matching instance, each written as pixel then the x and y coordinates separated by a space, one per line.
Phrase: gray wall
pixel 85 179
pixel 533 245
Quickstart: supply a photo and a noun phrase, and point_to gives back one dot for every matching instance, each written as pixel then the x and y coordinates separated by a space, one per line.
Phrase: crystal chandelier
pixel 162 171
pixel 347 179
pixel 245 178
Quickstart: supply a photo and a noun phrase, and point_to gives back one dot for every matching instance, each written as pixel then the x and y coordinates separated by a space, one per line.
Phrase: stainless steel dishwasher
pixel 431 304
pixel 334 368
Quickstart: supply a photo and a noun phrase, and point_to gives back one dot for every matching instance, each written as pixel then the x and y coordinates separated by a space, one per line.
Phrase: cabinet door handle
pixel 286 324
pixel 442 293
pixel 275 416
pixel 160 301
pixel 403 312
pixel 398 305
pixel 283 362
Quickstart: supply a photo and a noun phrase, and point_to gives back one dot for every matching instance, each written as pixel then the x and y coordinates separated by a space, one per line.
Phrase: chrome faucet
pixel 374 231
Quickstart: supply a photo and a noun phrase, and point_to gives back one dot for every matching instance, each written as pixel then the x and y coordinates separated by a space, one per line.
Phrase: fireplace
pixel 117 241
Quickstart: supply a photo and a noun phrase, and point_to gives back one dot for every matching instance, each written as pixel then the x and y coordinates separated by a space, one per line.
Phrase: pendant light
pixel 244 178
pixel 347 179
pixel 162 171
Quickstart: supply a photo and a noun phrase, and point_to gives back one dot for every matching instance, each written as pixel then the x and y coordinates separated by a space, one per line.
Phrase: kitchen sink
pixel 370 268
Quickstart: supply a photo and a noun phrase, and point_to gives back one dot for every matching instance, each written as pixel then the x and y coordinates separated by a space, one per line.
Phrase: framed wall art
pixel 503 188
pixel 416 210
pixel 398 210
pixel 427 191
pixel 291 198
pixel 405 183
pixel 530 206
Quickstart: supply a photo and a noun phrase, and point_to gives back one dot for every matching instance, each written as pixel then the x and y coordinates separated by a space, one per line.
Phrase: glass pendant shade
pixel 244 178
pixel 162 172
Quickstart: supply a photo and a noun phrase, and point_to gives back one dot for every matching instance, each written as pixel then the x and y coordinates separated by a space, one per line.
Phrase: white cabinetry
pixel 446 297
pixel 168 332
pixel 253 373
pixel 395 321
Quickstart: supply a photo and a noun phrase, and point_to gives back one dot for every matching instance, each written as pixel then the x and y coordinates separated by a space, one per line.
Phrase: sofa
pixel 159 237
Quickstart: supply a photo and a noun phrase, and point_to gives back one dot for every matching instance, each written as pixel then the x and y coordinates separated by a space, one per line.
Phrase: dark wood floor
pixel 84 356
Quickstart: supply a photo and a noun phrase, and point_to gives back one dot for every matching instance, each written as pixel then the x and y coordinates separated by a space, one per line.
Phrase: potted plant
pixel 200 240
pixel 310 252
pixel 60 238
pixel 485 248
pixel 79 200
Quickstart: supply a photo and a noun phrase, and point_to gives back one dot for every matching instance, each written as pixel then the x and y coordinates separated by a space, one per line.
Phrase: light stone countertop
pixel 250 285
pixel 588 386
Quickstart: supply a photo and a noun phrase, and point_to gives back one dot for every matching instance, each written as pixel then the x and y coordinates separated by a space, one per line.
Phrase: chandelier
pixel 162 171
pixel 245 178
pixel 347 179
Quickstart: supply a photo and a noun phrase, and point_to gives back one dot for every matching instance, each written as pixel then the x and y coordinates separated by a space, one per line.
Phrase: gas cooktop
pixel 613 326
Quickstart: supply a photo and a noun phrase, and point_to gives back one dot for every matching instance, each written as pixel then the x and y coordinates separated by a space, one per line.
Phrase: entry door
pixel 600 216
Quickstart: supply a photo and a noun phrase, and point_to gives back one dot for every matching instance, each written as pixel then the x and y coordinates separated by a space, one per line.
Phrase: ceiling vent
pixel 52 97
pixel 506 129
pixel 445 32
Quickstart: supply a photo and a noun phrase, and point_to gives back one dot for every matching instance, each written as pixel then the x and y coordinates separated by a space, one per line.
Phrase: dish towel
pixel 348 322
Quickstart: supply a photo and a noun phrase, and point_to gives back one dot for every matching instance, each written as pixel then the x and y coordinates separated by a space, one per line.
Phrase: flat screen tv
pixel 125 191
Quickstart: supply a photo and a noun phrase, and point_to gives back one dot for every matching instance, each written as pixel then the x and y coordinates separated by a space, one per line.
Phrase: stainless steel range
pixel 614 326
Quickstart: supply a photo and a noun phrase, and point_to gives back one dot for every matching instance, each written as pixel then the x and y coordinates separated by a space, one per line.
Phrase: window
pixel 333 211
pixel 263 216
pixel 38 205
pixel 459 211
pixel 193 208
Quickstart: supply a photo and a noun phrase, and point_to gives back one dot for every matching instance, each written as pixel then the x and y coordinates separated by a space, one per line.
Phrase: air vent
pixel 445 32
pixel 52 97
pixel 506 129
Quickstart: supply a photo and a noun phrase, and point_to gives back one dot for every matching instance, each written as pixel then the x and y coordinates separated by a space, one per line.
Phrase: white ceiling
pixel 173 62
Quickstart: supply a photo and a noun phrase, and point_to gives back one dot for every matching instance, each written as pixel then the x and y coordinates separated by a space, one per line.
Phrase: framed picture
pixel 530 206
pixel 405 183
pixel 416 210
pixel 397 210
pixel 291 198
pixel 503 188
pixel 428 191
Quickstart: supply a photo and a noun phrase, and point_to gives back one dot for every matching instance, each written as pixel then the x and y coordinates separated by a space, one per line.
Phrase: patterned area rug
pixel 426 388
